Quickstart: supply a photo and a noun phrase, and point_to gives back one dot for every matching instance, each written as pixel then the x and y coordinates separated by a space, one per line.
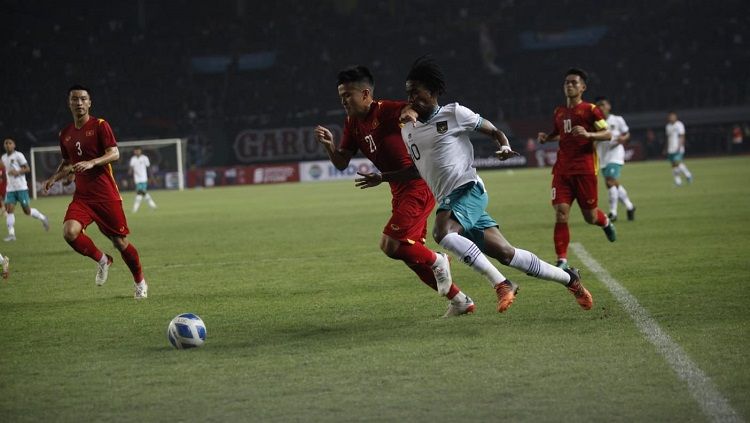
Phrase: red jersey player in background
pixel 577 126
pixel 373 128
pixel 88 148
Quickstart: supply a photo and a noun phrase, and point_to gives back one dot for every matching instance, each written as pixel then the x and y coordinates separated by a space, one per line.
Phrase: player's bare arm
pixel 623 138
pixel 600 135
pixel 110 155
pixel 408 114
pixel 543 137
pixel 64 169
pixel 339 158
pixel 504 151
pixel 370 180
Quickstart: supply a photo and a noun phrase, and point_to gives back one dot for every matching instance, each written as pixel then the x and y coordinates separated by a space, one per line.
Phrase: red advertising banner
pixel 243 175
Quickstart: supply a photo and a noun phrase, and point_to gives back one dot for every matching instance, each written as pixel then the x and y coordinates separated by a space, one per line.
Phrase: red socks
pixel 130 257
pixel 601 219
pixel 415 254
pixel 562 239
pixel 85 246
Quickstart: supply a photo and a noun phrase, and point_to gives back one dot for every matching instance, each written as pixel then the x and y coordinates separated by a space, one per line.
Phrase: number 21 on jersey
pixel 371 142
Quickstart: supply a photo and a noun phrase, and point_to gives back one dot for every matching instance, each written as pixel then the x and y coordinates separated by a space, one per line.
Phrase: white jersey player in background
pixel 675 148
pixel 17 191
pixel 139 165
pixel 437 139
pixel 612 158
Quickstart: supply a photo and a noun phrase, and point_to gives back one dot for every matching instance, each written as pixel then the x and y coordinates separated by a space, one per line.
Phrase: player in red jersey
pixel 88 148
pixel 577 126
pixel 372 127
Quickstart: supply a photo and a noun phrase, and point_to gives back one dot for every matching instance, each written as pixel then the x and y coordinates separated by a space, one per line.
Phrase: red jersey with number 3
pixel 87 143
pixel 576 154
pixel 378 136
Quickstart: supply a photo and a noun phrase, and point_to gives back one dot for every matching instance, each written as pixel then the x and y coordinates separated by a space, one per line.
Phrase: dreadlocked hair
pixel 426 71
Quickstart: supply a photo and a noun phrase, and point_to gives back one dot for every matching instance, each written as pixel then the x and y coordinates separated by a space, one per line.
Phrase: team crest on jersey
pixel 67 138
pixel 442 126
pixel 90 133
pixel 375 123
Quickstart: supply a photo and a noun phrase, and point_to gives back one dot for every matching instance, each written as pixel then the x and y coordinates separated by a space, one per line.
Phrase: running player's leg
pixel 612 191
pixel 110 218
pixel 562 198
pixel 403 239
pixel 587 196
pixel 78 217
pixel 495 245
pixel 30 211
pixel 10 217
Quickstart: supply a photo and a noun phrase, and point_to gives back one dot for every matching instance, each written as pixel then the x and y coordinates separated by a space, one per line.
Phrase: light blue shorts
pixel 141 186
pixel 468 203
pixel 13 197
pixel 675 157
pixel 612 170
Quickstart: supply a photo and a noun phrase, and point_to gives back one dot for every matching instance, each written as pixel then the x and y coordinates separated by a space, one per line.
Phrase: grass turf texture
pixel 308 321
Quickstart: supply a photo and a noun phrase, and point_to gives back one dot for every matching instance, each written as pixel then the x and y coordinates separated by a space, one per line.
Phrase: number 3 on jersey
pixel 78 147
pixel 371 142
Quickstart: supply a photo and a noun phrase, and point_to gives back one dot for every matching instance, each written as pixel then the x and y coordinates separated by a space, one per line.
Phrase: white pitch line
pixel 701 387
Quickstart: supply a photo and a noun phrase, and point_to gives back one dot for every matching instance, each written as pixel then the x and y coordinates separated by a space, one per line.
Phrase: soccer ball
pixel 186 331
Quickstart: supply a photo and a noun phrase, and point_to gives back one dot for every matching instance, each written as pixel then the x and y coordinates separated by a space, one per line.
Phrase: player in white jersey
pixel 139 165
pixel 17 191
pixel 438 142
pixel 612 158
pixel 675 148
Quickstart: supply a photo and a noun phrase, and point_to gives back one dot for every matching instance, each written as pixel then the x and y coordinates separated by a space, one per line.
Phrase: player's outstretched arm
pixel 504 151
pixel 339 158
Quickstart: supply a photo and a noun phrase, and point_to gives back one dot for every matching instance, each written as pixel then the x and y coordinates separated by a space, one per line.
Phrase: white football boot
pixel 442 271
pixel 141 290
pixel 102 271
pixel 466 307
pixel 6 267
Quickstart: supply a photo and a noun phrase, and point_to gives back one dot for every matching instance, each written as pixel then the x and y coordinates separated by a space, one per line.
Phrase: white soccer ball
pixel 186 331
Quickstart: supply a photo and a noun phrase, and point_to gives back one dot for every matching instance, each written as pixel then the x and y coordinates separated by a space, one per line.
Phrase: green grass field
pixel 308 321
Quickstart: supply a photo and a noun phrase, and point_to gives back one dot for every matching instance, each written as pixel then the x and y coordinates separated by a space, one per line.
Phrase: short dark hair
pixel 580 72
pixel 78 87
pixel 426 71
pixel 601 98
pixel 357 73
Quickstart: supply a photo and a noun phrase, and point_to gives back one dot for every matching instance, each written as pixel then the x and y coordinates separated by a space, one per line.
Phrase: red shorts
pixel 566 188
pixel 411 210
pixel 108 216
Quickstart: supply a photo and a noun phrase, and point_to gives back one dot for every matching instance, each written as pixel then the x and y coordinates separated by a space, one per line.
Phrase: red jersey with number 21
pixel 576 154
pixel 378 136
pixel 87 143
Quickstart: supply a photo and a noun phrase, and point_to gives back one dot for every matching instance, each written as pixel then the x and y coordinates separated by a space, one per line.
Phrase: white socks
pixel 150 201
pixel 469 253
pixel 684 170
pixel 36 214
pixel 137 204
pixel 529 263
pixel 10 221
pixel 624 199
pixel 676 174
pixel 613 194
pixel 139 198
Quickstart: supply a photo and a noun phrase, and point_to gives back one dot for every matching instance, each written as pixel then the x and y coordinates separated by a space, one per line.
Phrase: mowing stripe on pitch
pixel 703 390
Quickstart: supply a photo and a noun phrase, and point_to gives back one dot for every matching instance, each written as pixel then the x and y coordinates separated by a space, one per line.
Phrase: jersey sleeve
pixel 63 151
pixel 555 130
pixel 347 139
pixel 598 118
pixel 623 126
pixel 105 135
pixel 132 161
pixel 680 128
pixel 22 159
pixel 467 119
pixel 148 162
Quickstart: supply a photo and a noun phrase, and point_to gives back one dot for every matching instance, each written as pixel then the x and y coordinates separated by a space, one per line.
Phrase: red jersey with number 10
pixel 577 154
pixel 87 143
pixel 378 136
